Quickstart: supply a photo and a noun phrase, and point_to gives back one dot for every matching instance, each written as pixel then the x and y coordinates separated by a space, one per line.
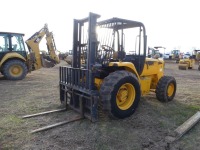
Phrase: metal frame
pixel 77 84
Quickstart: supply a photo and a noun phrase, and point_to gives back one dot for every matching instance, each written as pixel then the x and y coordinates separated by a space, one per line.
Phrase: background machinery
pixel 175 55
pixel 155 52
pixel 111 81
pixel 69 58
pixel 186 63
pixel 33 45
pixel 196 55
pixel 15 61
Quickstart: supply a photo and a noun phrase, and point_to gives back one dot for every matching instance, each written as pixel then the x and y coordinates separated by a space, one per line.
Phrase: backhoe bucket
pixel 46 63
pixel 68 59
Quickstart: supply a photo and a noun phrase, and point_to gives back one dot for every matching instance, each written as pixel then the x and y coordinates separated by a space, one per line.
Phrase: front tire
pixel 166 89
pixel 120 94
pixel 15 70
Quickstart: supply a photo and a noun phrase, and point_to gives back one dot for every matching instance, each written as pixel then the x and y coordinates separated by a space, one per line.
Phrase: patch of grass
pixel 177 113
pixel 11 131
pixel 171 114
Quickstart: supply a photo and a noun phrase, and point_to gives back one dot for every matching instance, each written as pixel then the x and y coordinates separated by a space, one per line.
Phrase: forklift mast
pixel 77 87
pixel 85 44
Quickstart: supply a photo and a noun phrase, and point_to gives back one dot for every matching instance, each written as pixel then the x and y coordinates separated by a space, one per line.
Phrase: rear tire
pixel 15 70
pixel 166 89
pixel 120 94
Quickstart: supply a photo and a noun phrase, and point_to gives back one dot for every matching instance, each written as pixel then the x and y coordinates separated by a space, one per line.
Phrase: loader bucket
pixel 183 66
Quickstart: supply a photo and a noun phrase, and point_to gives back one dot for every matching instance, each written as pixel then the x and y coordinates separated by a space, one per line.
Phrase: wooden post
pixel 186 126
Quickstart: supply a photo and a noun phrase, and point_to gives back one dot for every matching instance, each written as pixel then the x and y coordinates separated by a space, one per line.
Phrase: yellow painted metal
pixel 153 67
pixel 33 44
pixel 125 96
pixel 127 65
pixel 152 72
pixel 10 56
pixel 170 89
pixel 98 82
pixel 145 84
pixel 15 70
pixel 186 63
pixel 51 46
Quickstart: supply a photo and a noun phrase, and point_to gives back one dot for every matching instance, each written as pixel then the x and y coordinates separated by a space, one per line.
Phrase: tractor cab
pixel 13 56
pixel 121 40
pixel 115 40
pixel 12 43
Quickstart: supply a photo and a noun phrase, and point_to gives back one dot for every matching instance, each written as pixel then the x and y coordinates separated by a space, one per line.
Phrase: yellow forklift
pixel 110 81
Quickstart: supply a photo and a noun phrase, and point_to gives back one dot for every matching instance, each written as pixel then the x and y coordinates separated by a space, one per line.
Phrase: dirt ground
pixel 145 129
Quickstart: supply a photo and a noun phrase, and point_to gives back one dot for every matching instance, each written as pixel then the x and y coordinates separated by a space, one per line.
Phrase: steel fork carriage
pixel 74 90
pixel 76 82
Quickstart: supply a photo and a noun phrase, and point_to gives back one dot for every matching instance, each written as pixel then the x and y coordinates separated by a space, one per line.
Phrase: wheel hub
pixel 170 90
pixel 125 96
pixel 15 70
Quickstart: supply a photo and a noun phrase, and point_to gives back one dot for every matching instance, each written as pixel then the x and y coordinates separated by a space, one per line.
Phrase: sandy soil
pixel 146 129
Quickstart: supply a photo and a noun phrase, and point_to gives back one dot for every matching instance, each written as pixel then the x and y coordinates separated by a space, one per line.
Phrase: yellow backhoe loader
pixel 15 61
pixel 109 80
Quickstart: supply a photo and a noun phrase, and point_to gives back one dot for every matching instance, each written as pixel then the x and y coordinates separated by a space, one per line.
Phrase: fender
pixel 11 55
pixel 128 66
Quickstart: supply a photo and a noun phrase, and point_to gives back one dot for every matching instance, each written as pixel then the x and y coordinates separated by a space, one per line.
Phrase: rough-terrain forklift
pixel 111 81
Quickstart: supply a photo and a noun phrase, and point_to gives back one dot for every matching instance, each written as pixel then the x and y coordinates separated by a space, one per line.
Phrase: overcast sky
pixel 169 23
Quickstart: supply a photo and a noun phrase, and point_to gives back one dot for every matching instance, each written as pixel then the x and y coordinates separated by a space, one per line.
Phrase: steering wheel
pixel 107 48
